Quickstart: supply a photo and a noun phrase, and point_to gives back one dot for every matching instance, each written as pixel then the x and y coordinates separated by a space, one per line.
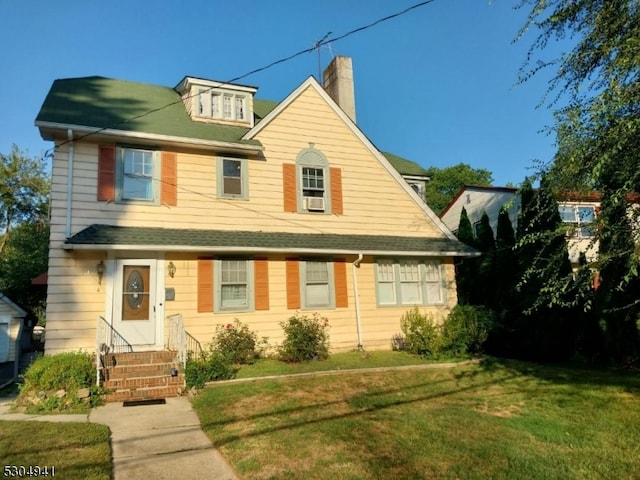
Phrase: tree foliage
pixel 598 137
pixel 446 182
pixel 24 188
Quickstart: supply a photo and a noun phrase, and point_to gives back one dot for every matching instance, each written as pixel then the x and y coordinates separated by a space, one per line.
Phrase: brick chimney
pixel 338 83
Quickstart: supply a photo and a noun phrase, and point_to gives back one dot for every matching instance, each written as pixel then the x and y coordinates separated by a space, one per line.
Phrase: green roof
pixel 101 236
pixel 404 166
pixel 107 103
pixel 121 105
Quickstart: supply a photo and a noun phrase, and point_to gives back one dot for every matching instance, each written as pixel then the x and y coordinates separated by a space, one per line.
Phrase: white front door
pixel 134 307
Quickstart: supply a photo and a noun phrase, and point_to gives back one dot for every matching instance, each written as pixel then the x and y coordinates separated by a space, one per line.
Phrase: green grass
pixel 77 450
pixel 498 420
pixel 340 361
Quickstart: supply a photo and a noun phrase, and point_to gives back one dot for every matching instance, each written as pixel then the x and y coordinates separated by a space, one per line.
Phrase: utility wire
pixel 316 46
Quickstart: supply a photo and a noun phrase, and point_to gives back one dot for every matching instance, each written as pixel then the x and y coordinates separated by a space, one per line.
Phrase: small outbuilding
pixel 11 326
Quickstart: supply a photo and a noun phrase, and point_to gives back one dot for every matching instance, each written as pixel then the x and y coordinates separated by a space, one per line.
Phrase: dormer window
pixel 221 106
pixel 217 102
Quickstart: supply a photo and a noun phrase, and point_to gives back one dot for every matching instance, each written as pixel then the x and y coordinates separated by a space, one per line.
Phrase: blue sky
pixel 436 85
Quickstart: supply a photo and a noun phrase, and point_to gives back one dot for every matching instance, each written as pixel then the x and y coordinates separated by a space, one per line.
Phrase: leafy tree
pixel 466 270
pixel 24 257
pixel 598 136
pixel 500 340
pixel 24 187
pixel 486 293
pixel 545 290
pixel 446 182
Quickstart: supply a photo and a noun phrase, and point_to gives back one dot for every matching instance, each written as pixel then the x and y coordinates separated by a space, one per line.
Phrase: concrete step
pixel 146 393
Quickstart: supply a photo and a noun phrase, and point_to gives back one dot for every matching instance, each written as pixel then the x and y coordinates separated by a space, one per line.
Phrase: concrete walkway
pixel 149 441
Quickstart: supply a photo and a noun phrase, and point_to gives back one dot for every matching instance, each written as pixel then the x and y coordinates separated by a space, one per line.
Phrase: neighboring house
pixel 579 211
pixel 205 201
pixel 11 326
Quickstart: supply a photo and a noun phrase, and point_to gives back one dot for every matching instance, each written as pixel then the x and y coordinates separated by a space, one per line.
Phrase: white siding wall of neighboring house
pixel 477 201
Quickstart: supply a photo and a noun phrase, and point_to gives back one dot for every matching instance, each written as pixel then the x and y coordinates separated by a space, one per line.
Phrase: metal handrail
pixel 181 341
pixel 108 340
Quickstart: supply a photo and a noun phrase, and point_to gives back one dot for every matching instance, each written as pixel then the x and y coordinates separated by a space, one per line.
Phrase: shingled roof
pixel 167 239
pixel 106 103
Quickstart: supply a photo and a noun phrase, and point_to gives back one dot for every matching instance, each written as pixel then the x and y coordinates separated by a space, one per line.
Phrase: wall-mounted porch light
pixel 171 268
pixel 100 271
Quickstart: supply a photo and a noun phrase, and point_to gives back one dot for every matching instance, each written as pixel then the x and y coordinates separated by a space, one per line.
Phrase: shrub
pixel 306 338
pixel 51 383
pixel 237 343
pixel 466 329
pixel 210 366
pixel 421 335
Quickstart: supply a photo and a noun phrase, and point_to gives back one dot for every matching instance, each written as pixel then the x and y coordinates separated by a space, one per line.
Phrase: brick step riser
pixel 148 358
pixel 127 371
pixel 143 394
pixel 144 382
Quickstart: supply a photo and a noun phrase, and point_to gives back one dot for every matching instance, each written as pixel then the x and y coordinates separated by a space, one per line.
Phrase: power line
pixel 324 41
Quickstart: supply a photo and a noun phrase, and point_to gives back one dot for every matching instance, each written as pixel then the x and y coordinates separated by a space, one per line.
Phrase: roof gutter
pixel 70 154
pixel 354 268
pixel 230 249
pixel 148 138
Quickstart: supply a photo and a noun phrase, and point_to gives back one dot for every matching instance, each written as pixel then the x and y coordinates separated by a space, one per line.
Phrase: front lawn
pixel 493 420
pixel 70 450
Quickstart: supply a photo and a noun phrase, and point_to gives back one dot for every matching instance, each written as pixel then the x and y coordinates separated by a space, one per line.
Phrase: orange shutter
pixel 293 283
pixel 335 174
pixel 107 173
pixel 261 274
pixel 169 179
pixel 340 280
pixel 289 187
pixel 205 285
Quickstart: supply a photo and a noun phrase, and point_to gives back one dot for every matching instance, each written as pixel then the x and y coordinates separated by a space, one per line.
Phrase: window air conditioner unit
pixel 314 203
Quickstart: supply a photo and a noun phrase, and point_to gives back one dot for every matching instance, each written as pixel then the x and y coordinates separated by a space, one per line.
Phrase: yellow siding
pixel 374 202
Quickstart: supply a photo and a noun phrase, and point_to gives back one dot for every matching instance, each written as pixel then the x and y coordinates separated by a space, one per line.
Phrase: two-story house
pixel 206 201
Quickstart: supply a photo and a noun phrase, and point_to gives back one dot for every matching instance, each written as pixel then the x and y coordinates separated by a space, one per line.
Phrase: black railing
pixel 108 340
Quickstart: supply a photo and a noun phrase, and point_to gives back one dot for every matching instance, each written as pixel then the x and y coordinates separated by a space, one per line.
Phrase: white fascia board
pixel 7 300
pixel 150 137
pixel 312 82
pixel 202 82
pixel 261 250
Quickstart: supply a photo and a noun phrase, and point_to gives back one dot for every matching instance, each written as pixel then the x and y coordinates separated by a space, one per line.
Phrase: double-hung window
pixel 137 175
pixel 316 284
pixel 232 175
pixel 313 173
pixel 409 282
pixel 233 281
pixel 580 218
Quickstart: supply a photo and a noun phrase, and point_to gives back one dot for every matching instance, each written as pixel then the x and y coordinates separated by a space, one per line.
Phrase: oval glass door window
pixel 135 305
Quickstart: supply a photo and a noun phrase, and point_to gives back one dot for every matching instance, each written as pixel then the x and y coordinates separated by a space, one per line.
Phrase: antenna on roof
pixel 317 46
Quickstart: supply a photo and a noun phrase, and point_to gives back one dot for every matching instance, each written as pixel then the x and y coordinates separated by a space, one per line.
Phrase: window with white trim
pixel 409 282
pixel 317 284
pixel 233 285
pixel 137 175
pixel 580 218
pixel 221 105
pixel 313 180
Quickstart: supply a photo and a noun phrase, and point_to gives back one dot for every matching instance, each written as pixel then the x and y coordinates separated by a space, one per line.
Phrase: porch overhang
pixel 117 238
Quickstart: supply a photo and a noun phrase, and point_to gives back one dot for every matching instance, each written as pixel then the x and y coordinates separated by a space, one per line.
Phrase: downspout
pixel 67 231
pixel 354 266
